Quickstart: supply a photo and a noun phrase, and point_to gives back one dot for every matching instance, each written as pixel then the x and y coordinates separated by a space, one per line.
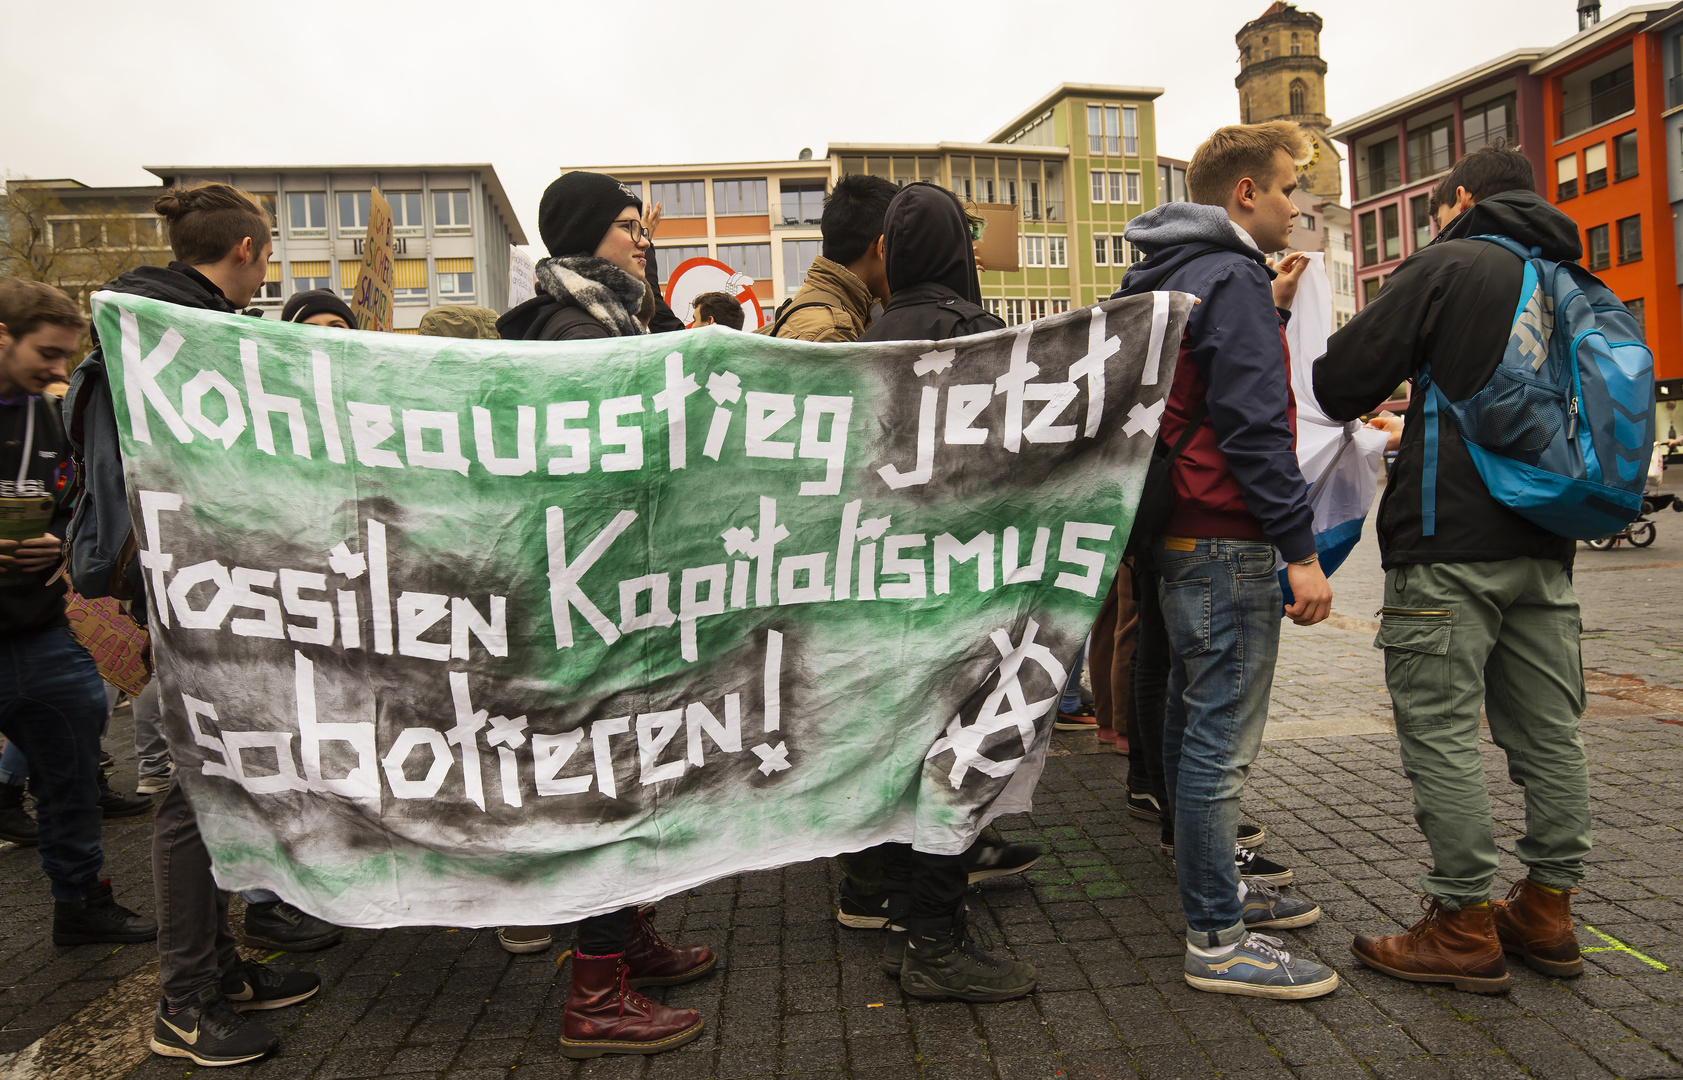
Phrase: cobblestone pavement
pixel 797 995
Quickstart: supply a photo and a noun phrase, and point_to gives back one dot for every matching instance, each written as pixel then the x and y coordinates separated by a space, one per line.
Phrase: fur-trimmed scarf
pixel 606 293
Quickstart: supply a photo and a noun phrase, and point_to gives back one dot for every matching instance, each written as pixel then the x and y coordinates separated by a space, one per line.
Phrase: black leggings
pixel 604 935
pixel 1151 692
pixel 920 885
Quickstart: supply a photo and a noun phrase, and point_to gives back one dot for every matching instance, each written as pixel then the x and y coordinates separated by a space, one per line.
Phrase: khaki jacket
pixel 845 309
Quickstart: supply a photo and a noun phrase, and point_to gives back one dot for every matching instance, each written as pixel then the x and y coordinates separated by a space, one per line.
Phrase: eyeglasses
pixel 634 229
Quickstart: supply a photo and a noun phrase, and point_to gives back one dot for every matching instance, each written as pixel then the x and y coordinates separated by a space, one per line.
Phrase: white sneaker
pixel 155 785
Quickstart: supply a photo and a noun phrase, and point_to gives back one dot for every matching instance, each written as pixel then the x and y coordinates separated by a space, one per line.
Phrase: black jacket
pixel 934 290
pixel 1450 305
pixel 555 314
pixel 28 604
pixel 543 318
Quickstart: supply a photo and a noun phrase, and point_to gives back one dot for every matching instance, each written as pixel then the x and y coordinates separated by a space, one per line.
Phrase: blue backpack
pixel 1562 431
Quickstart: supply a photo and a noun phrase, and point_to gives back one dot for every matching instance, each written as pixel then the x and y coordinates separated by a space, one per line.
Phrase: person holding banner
pixel 1238 494
pixel 220 237
pixel 52 700
pixel 592 286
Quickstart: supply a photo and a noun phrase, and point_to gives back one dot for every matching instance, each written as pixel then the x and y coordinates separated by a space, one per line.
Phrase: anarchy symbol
pixel 966 740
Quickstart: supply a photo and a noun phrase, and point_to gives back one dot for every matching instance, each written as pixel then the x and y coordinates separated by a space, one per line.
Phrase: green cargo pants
pixel 1504 635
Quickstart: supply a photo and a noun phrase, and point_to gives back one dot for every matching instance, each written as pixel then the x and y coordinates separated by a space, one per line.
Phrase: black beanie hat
pixel 577 210
pixel 316 302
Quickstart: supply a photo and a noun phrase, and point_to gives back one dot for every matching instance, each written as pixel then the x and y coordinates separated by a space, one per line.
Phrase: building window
pixel 1486 122
pixel 1104 130
pixel 802 201
pixel 1383 171
pixel 1101 251
pixel 1595 166
pixel 1390 230
pixel 1638 311
pixel 1295 51
pixel 353 212
pixel 1306 222
pixel 991 304
pixel 1589 99
pixel 1624 156
pixel 1118 251
pixel 1370 289
pixel 1095 129
pixel 449 212
pixel 307 213
pixel 751 259
pixel 1036 309
pixel 961 187
pixel 1566 178
pixel 1013 315
pixel 1097 179
pixel 1370 238
pixel 679 198
pixel 266 199
pixel 1059 307
pixel 1057 251
pixel 455 280
pixel 668 259
pixel 1431 148
pixel 309 275
pixel 797 258
pixel 1630 238
pixel 409 281
pixel 1420 217
pixel 1115 187
pixel 1595 247
pixel 738 198
pixel 1034 251
pixel 1130 131
pixel 1299 92
pixel 406 212
pixel 1133 186
pixel 268 294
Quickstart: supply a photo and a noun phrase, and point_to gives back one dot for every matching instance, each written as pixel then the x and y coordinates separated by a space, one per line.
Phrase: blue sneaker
pixel 1259 966
pixel 1267 908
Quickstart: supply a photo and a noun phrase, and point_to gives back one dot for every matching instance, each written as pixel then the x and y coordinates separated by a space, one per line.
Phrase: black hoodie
pixel 1451 305
pixel 935 293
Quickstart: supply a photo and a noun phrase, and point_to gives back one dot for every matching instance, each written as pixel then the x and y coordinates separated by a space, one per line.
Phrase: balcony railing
pixel 1598 109
pixel 1371 183
pixel 1044 210
pixel 1674 91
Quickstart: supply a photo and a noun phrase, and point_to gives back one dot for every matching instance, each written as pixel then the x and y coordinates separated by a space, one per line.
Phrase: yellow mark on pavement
pixel 1615 945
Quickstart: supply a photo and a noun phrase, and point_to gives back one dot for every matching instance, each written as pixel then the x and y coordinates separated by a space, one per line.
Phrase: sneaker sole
pixel 862 922
pixel 274 1003
pixel 1144 814
pixel 206 1060
pixel 326 941
pixel 149 789
pixel 998 871
pixel 1294 992
pixel 917 987
pixel 675 980
pixel 521 948
pixel 1283 877
pixel 1460 982
pixel 578 1051
pixel 1290 922
pixel 1064 725
pixel 1556 968
pixel 1255 842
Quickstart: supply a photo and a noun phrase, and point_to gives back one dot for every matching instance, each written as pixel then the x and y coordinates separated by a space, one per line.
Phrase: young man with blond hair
pixel 1238 495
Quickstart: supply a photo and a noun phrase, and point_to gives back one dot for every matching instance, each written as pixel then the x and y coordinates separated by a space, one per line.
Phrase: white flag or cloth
pixel 522 277
pixel 1342 461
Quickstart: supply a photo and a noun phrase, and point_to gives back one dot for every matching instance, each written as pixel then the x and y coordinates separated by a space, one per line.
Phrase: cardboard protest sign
pixel 479 633
pixel 522 277
pixel 372 300
pixel 116 642
pixel 998 248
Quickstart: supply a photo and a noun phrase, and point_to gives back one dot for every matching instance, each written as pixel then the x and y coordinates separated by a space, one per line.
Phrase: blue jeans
pixel 1071 701
pixel 14 767
pixel 52 707
pixel 1221 608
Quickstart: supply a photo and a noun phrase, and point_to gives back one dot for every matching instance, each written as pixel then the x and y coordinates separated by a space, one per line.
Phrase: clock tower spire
pixel 1282 77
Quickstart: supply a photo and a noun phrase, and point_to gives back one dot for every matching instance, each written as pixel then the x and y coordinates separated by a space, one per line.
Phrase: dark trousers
pixel 1150 686
pixel 604 935
pixel 52 707
pixel 195 946
pixel 920 885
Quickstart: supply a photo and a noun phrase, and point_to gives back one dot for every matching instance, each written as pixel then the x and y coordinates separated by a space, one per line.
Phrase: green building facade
pixel 1080 163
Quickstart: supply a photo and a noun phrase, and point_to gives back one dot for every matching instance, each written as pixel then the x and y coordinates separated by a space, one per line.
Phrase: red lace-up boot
pixel 655 963
pixel 605 1016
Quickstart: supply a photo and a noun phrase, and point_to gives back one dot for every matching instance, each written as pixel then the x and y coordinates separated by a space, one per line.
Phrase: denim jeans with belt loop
pixel 1221 607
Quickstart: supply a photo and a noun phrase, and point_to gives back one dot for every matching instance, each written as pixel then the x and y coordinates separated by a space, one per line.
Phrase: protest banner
pixel 371 301
pixel 477 633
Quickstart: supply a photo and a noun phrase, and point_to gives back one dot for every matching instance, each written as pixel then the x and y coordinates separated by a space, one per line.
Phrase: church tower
pixel 1282 77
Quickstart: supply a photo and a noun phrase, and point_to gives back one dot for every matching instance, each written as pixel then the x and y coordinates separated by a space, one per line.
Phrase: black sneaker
pixel 1252 865
pixel 210 1032
pixel 1143 806
pixel 106 761
pixel 15 823
pixel 99 919
pixel 946 958
pixel 893 949
pixel 861 911
pixel 989 858
pixel 1082 719
pixel 279 925
pixel 258 986
pixel 115 804
pixel 1251 836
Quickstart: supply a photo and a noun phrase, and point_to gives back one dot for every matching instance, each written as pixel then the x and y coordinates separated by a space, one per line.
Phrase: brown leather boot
pixel 1456 947
pixel 655 963
pixel 605 1016
pixel 1535 921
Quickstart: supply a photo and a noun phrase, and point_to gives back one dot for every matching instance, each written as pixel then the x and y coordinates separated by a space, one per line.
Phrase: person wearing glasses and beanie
pixel 592 286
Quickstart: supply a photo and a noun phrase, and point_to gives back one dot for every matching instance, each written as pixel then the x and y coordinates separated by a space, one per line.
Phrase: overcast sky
pixel 97 89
